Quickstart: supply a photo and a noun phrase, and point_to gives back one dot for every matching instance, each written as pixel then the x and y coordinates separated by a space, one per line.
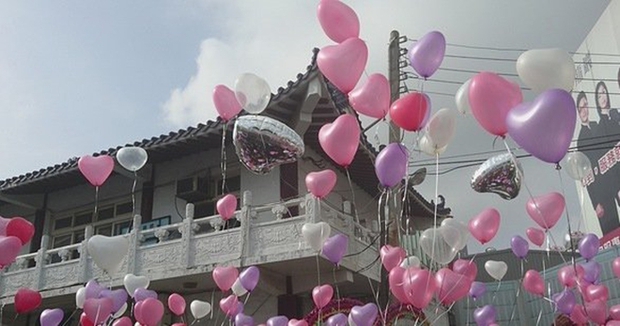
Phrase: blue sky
pixel 79 77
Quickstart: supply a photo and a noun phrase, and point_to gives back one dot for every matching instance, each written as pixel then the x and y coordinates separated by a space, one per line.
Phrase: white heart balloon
pixel 252 92
pixel 120 311
pixel 108 252
pixel 462 98
pixel 200 309
pixel 80 297
pixel 315 234
pixel 497 269
pixel 441 127
pixel 238 289
pixel 543 69
pixel 132 158
pixel 435 246
pixel 411 261
pixel 133 282
pixel 456 233
pixel 427 146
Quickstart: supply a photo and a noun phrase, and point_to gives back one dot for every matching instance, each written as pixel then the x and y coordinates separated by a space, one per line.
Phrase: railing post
pixel 83 265
pixel 41 260
pixel 313 209
pixel 246 221
pixel 134 244
pixel 186 234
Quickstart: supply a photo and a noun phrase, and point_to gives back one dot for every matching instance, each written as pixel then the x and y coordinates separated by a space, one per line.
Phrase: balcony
pixel 194 247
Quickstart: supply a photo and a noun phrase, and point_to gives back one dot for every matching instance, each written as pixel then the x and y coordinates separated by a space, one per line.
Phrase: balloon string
pixel 570 232
pixel 133 193
pixel 375 294
pixel 318 275
pixel 223 158
pixel 357 219
pixel 435 208
pixel 381 204
pixel 212 303
pixel 337 288
pixel 442 313
pixel 514 305
pixel 96 202
pixel 499 285
pixel 68 319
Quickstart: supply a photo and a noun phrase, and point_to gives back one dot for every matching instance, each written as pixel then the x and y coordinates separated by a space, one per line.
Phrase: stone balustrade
pixel 195 245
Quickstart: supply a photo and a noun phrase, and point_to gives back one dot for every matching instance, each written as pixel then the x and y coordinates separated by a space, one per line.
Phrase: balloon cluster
pixel 15 232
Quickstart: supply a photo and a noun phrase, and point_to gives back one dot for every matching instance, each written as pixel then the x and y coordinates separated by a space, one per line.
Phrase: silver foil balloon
pixel 263 143
pixel 499 174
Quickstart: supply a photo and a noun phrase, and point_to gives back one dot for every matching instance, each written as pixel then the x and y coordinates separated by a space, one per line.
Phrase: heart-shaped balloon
pixel 225 102
pixel 252 92
pixel 614 312
pixel 491 97
pixel 579 316
pixel 26 300
pixel 520 247
pixel 142 294
pixel 485 225
pixel 462 98
pixel 225 276
pixel 340 139
pixel 243 320
pixel 92 290
pixel 249 278
pixel 20 228
pixel 391 164
pixel 96 169
pixel 569 274
pixel 464 267
pixel 420 286
pixel 391 256
pixel 543 69
pixel 435 246
pixel 152 311
pixel 410 111
pixel 335 248
pixel 238 289
pixel 262 143
pixel 339 21
pixel 133 282
pixel 295 322
pixel 597 292
pixel 395 280
pixel 536 236
pixel 120 312
pixel 51 317
pixel 544 127
pixel 565 301
pixel 321 183
pixel 441 127
pixel 229 305
pixel 597 311
pixel 477 290
pixel 80 297
pixel 533 283
pixel 364 315
pixel 578 165
pixel 451 286
pixel 426 55
pixel 9 249
pixel 132 158
pixel 497 269
pixel 322 295
pixel 546 210
pixel 588 246
pixel 500 174
pixel 316 234
pixel 125 321
pixel 372 98
pixel 84 321
pixel 108 252
pixel 277 321
pixel 338 319
pixel 344 63
pixel 98 310
pixel 411 261
pixel 226 206
pixel 455 233
pixel 119 298
pixel 485 315
pixel 200 309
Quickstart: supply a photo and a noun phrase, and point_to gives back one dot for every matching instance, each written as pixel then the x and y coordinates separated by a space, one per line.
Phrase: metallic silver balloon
pixel 499 174
pixel 263 143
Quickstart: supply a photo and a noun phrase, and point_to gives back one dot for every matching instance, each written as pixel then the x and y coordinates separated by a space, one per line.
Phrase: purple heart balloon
pixel 426 55
pixel 119 298
pixel 519 246
pixel 337 320
pixel 485 316
pixel 239 309
pixel 249 278
pixel 588 246
pixel 243 320
pixel 477 290
pixel 565 301
pixel 92 289
pixel 544 127
pixel 591 271
pixel 364 315
pixel 391 164
pixel 277 321
pixel 140 294
pixel 51 317
pixel 335 247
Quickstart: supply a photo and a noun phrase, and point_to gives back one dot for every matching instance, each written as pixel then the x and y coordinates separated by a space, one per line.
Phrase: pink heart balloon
pixel 125 321
pixel 152 312
pixel 321 183
pixel 536 236
pixel 420 287
pixel 226 206
pixel 484 226
pixel 339 21
pixel 546 210
pixel 372 98
pixel 225 102
pixel 545 127
pixel 392 256
pixel 451 286
pixel 597 311
pixel 20 228
pixel 225 277
pixel 340 139
pixel 9 249
pixel 534 283
pixel 395 280
pixel 295 322
pixel 597 292
pixel 464 267
pixel 322 295
pixel 96 169
pixel 614 312
pixel 491 97
pixel 98 310
pixel 344 63
pixel 578 316
pixel 229 304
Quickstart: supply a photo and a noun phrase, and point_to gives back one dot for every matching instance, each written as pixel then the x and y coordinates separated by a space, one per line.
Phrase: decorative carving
pixel 166 254
pixel 217 224
pixel 57 276
pixel 218 244
pixel 279 210
pixel 65 254
pixel 161 235
pixel 265 237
